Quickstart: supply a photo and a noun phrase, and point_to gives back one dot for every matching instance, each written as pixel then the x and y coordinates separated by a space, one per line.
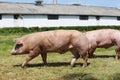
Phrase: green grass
pixel 103 67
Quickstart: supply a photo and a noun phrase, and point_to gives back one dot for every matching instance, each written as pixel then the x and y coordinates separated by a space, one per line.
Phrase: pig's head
pixel 18 48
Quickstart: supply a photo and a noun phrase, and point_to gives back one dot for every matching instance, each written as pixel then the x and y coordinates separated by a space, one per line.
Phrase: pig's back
pixel 49 39
pixel 101 35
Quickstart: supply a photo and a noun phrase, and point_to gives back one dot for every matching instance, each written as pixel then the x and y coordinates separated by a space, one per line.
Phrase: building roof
pixel 61 9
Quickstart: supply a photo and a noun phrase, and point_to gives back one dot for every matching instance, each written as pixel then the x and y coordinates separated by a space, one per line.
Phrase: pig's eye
pixel 18 46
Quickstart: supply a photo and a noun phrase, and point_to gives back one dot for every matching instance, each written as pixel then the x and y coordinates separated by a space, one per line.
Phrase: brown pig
pixel 104 38
pixel 52 41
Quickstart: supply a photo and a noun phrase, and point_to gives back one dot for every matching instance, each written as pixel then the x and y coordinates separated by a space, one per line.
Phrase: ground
pixel 102 67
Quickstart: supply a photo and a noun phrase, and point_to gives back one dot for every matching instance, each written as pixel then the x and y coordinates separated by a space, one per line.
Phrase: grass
pixel 103 67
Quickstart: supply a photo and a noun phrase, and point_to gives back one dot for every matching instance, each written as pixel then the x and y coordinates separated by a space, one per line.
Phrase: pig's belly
pixel 58 49
pixel 107 45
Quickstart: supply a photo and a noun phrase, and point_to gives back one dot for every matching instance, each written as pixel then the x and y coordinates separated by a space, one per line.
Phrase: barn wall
pixel 42 21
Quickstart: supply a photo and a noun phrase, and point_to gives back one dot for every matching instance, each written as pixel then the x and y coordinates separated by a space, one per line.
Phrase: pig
pixel 103 38
pixel 52 41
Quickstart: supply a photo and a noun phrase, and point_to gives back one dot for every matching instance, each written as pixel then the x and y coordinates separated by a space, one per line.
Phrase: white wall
pixel 109 21
pixel 7 20
pixel 42 21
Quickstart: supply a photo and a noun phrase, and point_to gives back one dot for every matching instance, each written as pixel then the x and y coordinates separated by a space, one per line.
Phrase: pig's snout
pixel 13 52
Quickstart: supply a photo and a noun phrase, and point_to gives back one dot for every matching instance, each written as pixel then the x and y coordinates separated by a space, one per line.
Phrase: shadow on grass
pixel 55 64
pixel 86 76
pixel 104 56
pixel 78 76
pixel 115 76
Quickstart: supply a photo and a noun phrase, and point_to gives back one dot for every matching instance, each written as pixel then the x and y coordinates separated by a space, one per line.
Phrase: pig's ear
pixel 20 42
pixel 15 39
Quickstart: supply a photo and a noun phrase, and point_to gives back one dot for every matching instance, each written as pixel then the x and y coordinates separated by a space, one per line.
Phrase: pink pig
pixel 104 38
pixel 52 41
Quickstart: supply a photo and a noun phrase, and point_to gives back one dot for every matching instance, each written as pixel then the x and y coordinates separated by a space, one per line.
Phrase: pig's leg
pixel 44 58
pixel 31 55
pixel 76 56
pixel 117 52
pixel 85 58
pixel 91 52
pixel 84 55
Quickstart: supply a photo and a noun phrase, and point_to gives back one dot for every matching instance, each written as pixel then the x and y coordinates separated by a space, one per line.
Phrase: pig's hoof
pixel 84 65
pixel 116 58
pixel 23 67
pixel 73 65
